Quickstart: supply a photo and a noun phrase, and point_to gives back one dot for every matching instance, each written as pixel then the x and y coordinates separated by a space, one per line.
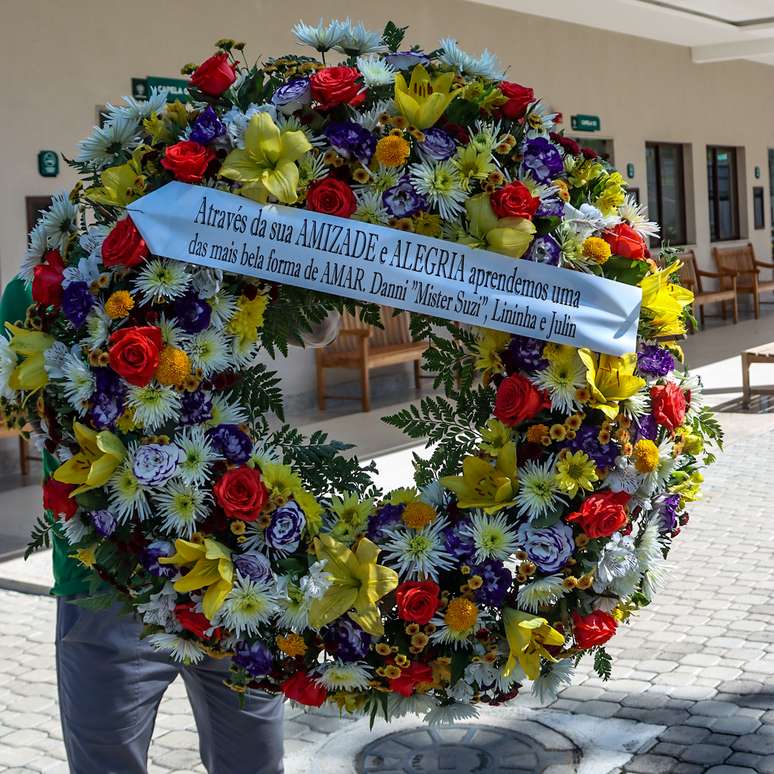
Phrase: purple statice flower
pixel 544 249
pixel 207 127
pixel 155 463
pixel 524 354
pixel 668 508
pixel 284 531
pixel 497 580
pixel 351 140
pixel 542 160
pixel 346 640
pixel 234 444
pixel 438 145
pixel 292 96
pixel 253 565
pixel 77 302
pixel 107 400
pixel 254 657
pixel 149 559
pixel 104 523
pixel 655 361
pixel 550 208
pixel 406 60
pixel 192 313
pixel 402 201
pixel 386 517
pixel 195 407
pixel 548 547
pixel 645 427
pixel 458 542
pixel 586 440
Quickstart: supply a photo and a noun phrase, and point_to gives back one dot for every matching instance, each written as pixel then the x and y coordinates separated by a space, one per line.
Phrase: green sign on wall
pixel 48 163
pixel 178 87
pixel 584 123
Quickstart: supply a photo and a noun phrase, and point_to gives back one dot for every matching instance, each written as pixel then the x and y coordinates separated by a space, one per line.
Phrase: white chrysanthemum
pixel 649 549
pixel 59 221
pixel 370 208
pixel 484 66
pixel 127 498
pixel 225 412
pixel 434 494
pixel 161 280
pixel 382 178
pixel 453 638
pixel 440 183
pixel 417 704
pixel 541 593
pixel 172 335
pixel 344 676
pixel 248 605
pixel 293 611
pixel 492 536
pixel 321 38
pixel 635 405
pixel 369 119
pixel 261 454
pixel 181 506
pixel 209 351
pixel 181 649
pixel 538 490
pixel 86 270
pixel 223 305
pixel 539 120
pixel 561 379
pixel 153 405
pixel 37 245
pixel 105 143
pixel 448 714
pixel 555 678
pixel 75 529
pixel 8 363
pixel 138 109
pixel 616 560
pixel 311 167
pixel 159 610
pixel 97 328
pixel 292 123
pixel 635 215
pixel 196 455
pixel 79 382
pixel 375 71
pixel 356 39
pixel 418 553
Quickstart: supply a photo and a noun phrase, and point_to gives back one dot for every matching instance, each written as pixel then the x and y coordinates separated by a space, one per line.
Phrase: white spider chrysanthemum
pixel 375 71
pixel 556 677
pixel 59 221
pixel 356 39
pixel 197 455
pixel 635 405
pixel 223 305
pixel 649 549
pixel 209 351
pixel 344 676
pixel 440 183
pixel 539 120
pixel 181 649
pixel 105 143
pixel 492 536
pixel 225 412
pixel 369 119
pixel 311 167
pixel 433 494
pixel 161 280
pixel 418 553
pixel 321 38
pixel 159 610
pixel 75 529
pixel 292 124
pixel 416 704
pixel 97 328
pixel 8 362
pixel 635 215
pixel 248 605
pixel 541 593
pixel 561 379
pixel 37 245
pixel 180 507
pixel 483 66
pixel 293 610
pixel 153 405
pixel 444 635
pixel 370 208
pixel 138 109
pixel 448 714
pixel 127 496
pixel 263 453
pixel 538 489
pixel 171 333
pixel 382 178
pixel 79 382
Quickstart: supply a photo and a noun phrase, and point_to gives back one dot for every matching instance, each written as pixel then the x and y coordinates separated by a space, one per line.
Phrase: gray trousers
pixel 110 686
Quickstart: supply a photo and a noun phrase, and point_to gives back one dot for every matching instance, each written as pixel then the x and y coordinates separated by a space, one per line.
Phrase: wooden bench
pixel 762 354
pixel 691 276
pixel 364 347
pixel 740 263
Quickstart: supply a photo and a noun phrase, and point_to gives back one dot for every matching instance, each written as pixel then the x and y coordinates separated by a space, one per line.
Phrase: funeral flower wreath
pixel 557 477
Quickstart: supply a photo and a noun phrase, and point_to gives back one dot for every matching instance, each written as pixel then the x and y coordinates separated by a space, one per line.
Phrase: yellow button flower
pixel 174 366
pixel 392 151
pixel 119 304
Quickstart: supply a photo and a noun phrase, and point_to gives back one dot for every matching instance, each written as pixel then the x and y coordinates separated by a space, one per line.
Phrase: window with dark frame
pixel 666 191
pixel 722 184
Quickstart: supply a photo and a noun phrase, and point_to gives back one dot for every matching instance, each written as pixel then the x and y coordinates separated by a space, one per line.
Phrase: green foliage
pixel 393 35
pixel 258 390
pixel 625 270
pixel 603 664
pixel 40 537
pixel 103 601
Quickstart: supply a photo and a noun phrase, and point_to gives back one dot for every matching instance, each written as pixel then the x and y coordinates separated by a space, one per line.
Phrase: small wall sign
pixel 757 173
pixel 178 87
pixel 48 163
pixel 584 123
pixel 630 171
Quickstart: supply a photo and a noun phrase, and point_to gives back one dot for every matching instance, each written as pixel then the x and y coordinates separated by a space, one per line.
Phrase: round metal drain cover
pixel 461 749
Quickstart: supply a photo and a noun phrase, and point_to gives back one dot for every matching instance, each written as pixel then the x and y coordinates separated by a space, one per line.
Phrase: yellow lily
pixel 423 101
pixel 489 345
pixel 30 374
pixel 665 301
pixel 357 582
pixel 509 236
pixel 487 486
pixel 121 185
pixel 101 453
pixel 211 569
pixel 611 379
pixel 267 165
pixel 527 636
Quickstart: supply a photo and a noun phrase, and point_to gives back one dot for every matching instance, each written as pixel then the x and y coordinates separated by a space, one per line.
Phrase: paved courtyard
pixel 697 667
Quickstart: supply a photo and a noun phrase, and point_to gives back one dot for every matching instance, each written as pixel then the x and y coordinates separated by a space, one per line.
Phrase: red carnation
pixel 514 201
pixel 602 514
pixel 517 400
pixel 519 98
pixel 567 143
pixel 668 405
pixel 124 245
pixel 333 86
pixel 241 494
pixel 626 242
pixel 415 674
pixel 304 690
pixel 56 498
pixel 593 629
pixel 418 601
pixel 188 160
pixel 47 279
pixel 134 353
pixel 332 197
pixel 214 75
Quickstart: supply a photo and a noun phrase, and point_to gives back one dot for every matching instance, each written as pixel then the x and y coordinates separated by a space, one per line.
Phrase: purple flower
pixel 351 140
pixel 544 249
pixel 524 354
pixel 550 208
pixel 77 302
pixel 195 407
pixel 459 545
pixel 231 442
pixel 104 523
pixel 255 658
pixel 402 200
pixel 655 361
pixel 438 145
pixel 542 160
pixel 406 60
pixel 586 440
pixel 207 127
pixel 150 556
pixel 154 463
pixel 645 427
pixel 107 400
pixel 668 508
pixel 497 580
pixel 346 640
pixel 387 516
pixel 292 96
pixel 548 547
pixel 284 531
pixel 192 313
pixel 253 565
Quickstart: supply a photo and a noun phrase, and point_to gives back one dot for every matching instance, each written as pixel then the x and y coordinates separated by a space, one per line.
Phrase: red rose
pixel 411 677
pixel 626 242
pixel 418 601
pixel 188 160
pixel 331 196
pixel 334 86
pixel 668 404
pixel 519 98
pixel 214 75
pixel 124 245
pixel 134 353
pixel 191 621
pixel 514 201
pixel 602 514
pixel 517 400
pixel 56 498
pixel 304 690
pixel 593 629
pixel 241 493
pixel 47 280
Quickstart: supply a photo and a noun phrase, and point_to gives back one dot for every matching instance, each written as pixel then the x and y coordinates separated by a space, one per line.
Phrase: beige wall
pixel 60 60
